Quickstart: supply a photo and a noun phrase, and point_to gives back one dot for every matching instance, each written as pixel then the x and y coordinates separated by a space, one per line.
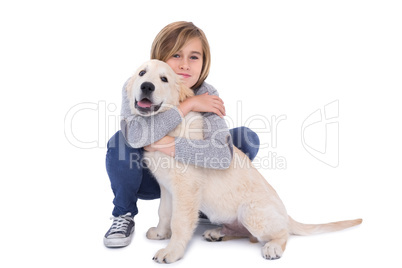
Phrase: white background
pixel 275 58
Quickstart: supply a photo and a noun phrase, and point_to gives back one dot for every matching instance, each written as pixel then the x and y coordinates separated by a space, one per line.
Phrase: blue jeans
pixel 131 179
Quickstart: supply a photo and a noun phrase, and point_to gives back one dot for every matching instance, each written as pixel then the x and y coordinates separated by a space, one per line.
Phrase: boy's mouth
pixel 184 75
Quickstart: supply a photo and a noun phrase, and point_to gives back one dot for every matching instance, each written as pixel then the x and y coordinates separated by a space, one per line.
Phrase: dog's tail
pixel 297 228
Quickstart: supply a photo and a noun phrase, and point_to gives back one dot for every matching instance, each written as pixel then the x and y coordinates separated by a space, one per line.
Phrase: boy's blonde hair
pixel 173 37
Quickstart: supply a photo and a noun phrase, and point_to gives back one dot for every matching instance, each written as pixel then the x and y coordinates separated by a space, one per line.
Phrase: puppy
pixel 238 198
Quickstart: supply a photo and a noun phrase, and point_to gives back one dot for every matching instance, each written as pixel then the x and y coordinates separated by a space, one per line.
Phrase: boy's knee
pixel 253 137
pixel 250 142
pixel 116 140
pixel 122 155
pixel 249 137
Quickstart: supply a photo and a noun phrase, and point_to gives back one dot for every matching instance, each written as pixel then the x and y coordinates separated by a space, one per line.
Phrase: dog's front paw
pixel 213 235
pixel 272 251
pixel 168 255
pixel 155 234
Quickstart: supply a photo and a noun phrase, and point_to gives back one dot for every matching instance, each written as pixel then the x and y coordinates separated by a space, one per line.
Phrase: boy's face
pixel 187 62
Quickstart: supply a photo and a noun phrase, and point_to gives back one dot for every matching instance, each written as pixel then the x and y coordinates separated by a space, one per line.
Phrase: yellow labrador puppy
pixel 238 198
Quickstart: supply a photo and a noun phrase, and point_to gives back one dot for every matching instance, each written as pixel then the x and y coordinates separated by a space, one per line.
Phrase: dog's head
pixel 155 88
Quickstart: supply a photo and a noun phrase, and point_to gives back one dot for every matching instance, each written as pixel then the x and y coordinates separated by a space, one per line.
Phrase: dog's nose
pixel 147 87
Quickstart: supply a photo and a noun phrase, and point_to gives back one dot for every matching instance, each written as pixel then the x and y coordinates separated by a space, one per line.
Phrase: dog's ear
pixel 184 92
pixel 129 89
pixel 129 84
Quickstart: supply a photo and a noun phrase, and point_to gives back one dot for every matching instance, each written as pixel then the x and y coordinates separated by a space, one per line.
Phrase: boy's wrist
pixel 185 107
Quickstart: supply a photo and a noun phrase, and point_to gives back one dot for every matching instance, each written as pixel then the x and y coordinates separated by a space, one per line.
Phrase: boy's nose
pixel 184 65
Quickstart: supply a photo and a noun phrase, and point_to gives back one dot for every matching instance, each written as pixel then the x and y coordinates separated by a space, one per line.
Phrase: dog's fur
pixel 239 198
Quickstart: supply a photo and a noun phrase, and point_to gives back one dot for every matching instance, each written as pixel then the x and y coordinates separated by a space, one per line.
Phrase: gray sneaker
pixel 121 231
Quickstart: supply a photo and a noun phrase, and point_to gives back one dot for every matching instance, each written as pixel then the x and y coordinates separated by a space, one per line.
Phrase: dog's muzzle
pixel 145 105
pixel 147 88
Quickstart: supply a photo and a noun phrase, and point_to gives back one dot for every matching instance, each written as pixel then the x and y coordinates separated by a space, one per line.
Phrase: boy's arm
pixel 215 151
pixel 141 131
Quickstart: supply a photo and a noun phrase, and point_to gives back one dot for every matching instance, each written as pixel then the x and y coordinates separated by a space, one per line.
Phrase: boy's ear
pixel 184 92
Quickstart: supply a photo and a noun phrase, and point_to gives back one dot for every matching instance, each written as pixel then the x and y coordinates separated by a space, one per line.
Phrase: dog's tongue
pixel 145 103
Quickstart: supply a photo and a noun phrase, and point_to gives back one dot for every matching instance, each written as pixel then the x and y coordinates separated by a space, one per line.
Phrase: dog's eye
pixel 142 73
pixel 164 79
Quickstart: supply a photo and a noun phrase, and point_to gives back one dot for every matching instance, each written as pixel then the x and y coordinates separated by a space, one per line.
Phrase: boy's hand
pixel 203 103
pixel 165 145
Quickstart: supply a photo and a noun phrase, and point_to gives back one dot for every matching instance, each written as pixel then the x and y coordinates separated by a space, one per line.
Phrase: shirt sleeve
pixel 215 150
pixel 141 131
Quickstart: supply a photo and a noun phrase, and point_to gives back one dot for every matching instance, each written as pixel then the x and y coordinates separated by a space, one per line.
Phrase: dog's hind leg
pixel 268 229
pixel 274 248
pixel 228 232
pixel 213 235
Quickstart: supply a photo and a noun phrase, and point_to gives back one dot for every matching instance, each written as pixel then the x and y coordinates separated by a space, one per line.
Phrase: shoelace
pixel 120 223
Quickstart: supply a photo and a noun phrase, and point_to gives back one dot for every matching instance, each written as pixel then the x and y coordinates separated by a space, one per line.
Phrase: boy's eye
pixel 142 73
pixel 164 79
